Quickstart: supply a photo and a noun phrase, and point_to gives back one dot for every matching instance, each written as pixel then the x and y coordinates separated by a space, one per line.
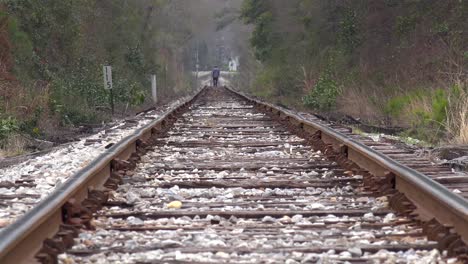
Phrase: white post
pixel 154 88
pixel 107 77
pixel 197 65
pixel 107 70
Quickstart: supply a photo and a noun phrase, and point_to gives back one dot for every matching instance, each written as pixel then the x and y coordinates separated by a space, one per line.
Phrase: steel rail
pixel 447 207
pixel 432 198
pixel 16 239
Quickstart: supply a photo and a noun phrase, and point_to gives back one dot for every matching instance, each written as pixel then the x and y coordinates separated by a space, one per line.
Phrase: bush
pixel 8 126
pixel 136 95
pixel 396 105
pixel 323 96
pixel 425 111
pixel 439 106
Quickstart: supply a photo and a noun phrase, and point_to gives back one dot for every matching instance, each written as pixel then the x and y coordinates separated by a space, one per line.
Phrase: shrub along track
pixel 236 180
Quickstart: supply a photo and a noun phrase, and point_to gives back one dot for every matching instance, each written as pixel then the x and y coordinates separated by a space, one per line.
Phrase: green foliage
pixel 265 83
pixel 439 106
pixel 20 41
pixel 69 113
pixel 30 125
pixel 252 9
pixel 36 131
pixel 324 94
pixel 135 95
pixel 63 44
pixel 441 28
pixel 426 123
pixel 370 49
pixel 424 127
pixel 396 105
pixel 273 83
pixel 50 25
pixel 456 91
pixel 135 60
pixel 76 115
pixel 405 25
pixel 256 13
pixel 8 126
pixel 262 37
pixel 349 31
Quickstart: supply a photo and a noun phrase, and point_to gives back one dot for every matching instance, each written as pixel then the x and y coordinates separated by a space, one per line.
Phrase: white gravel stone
pixel 297 218
pixel 268 219
pixel 369 216
pixel 223 255
pixel 54 168
pixel 356 252
pixel 171 244
pixel 389 218
pixel 132 197
pixel 215 243
pixel 317 206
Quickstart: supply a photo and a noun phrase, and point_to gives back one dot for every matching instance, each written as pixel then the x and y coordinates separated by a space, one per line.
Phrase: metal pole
pixel 197 65
pixel 112 100
pixel 165 77
pixel 154 88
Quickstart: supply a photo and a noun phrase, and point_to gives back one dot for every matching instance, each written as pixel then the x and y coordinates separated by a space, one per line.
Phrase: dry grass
pixel 457 118
pixel 307 82
pixel 419 104
pixel 14 145
pixel 21 104
pixel 356 102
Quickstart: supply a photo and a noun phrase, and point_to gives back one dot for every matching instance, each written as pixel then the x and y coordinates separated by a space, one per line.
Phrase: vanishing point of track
pixel 231 180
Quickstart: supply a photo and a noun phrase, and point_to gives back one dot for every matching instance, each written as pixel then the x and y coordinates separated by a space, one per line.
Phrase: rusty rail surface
pixel 21 240
pixel 432 198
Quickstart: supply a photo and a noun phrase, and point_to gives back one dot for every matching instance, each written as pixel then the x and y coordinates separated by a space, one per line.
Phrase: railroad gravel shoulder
pixel 23 185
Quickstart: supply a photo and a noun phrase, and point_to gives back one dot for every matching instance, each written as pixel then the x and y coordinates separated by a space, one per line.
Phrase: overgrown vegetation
pixel 388 62
pixel 52 53
pixel 10 141
pixel 457 117
pixel 8 126
pixel 323 95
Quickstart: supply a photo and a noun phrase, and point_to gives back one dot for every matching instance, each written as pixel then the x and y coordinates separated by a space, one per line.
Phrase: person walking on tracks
pixel 215 74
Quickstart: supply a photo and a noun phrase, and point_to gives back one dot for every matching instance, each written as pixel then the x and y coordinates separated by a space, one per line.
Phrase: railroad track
pixel 229 179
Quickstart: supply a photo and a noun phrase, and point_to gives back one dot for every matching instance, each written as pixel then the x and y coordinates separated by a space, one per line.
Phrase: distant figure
pixel 233 65
pixel 216 72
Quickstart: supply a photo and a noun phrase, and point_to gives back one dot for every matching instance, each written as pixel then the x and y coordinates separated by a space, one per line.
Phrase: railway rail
pixel 227 178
